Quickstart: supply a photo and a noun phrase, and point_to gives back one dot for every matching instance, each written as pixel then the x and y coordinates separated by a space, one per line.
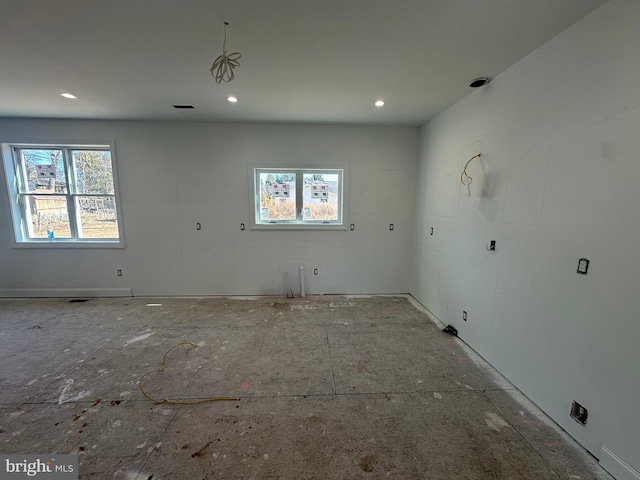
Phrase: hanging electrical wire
pixel 222 68
pixel 464 176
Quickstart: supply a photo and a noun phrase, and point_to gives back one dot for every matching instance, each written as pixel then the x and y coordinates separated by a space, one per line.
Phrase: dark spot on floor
pixel 362 366
pixel 315 419
pixel 367 463
pixel 97 401
pixel 81 449
pixel 115 402
pixel 186 445
pixel 200 453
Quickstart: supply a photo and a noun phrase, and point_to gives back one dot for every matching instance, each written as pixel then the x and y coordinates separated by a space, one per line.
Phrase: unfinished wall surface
pixel 558 180
pixel 174 175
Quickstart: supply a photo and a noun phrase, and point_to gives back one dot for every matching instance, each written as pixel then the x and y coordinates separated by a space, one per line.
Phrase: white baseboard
pixel 616 466
pixel 64 292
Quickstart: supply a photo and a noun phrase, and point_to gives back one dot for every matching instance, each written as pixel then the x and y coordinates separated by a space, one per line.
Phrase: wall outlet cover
pixel 583 266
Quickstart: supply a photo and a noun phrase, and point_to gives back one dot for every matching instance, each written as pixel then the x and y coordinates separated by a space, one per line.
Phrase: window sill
pixel 298 226
pixel 57 244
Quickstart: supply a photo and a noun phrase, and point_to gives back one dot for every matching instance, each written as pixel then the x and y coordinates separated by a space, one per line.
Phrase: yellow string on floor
pixel 179 402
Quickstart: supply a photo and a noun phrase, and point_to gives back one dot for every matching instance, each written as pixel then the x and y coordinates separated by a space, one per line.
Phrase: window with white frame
pixel 298 198
pixel 63 194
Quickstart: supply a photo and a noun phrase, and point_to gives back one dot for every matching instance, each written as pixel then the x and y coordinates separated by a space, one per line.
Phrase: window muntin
pixel 64 194
pixel 298 198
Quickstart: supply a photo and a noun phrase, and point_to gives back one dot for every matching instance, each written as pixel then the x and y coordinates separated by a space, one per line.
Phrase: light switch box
pixel 583 266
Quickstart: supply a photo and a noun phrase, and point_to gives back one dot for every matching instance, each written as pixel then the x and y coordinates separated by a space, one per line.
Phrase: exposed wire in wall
pixel 465 179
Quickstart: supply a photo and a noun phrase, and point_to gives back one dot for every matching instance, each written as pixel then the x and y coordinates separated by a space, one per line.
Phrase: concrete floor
pixel 330 387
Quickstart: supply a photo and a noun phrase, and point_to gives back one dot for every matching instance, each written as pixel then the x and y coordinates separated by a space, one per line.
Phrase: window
pixel 298 198
pixel 63 194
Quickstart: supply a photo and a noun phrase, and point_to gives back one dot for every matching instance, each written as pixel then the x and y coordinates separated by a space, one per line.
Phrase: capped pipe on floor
pixel 302 294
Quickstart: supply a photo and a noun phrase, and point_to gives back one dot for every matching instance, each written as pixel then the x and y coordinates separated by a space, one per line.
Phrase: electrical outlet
pixel 315 271
pixel 431 231
pixel 579 413
pixel 464 315
pixel 583 266
pixel 198 226
pixel 242 226
pixel 119 272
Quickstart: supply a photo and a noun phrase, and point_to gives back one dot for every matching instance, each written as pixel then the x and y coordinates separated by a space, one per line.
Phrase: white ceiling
pixel 302 60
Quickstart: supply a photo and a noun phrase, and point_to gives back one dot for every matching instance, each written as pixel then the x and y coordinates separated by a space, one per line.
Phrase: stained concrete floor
pixel 329 387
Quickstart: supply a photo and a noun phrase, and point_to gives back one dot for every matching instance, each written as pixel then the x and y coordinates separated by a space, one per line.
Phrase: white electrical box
pixel 583 266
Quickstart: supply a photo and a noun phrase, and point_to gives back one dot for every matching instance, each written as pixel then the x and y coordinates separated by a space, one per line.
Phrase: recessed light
pixel 479 82
pixel 69 95
pixel 379 103
pixel 232 99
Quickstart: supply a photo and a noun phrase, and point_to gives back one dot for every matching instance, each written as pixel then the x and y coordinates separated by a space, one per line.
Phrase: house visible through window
pixel 63 194
pixel 298 198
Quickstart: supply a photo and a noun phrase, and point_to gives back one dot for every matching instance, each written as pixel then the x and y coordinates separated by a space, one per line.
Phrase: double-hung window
pixel 63 194
pixel 298 198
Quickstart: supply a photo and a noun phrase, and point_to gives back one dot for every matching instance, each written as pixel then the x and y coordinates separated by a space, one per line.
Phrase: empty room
pixel 337 240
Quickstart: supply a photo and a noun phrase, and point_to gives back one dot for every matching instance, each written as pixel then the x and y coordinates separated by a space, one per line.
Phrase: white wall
pixel 173 175
pixel 559 179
